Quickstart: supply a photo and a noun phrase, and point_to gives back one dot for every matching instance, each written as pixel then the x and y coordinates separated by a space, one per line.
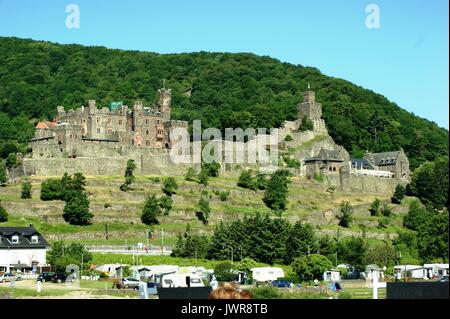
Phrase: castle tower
pixel 312 110
pixel 309 107
pixel 165 102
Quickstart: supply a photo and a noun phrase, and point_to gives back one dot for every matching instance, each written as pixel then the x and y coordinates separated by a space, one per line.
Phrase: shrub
pixel 3 175
pixel 191 174
pixel 223 196
pixel 3 214
pixel 266 292
pixel 204 210
pixel 345 214
pixel 203 177
pixel 246 180
pixel 26 190
pixel 261 181
pixel 399 194
pixel 383 222
pixel 170 186
pixel 375 207
pixel 386 211
pixel 11 160
pixel 166 203
pixel 288 138
pixel 212 169
pixel 51 189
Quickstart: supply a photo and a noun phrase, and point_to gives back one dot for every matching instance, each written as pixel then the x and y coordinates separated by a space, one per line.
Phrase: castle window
pixel 98 130
pixel 146 132
pixel 157 121
pixel 34 239
pixel 146 121
pixel 98 120
pixel 120 122
pixel 70 135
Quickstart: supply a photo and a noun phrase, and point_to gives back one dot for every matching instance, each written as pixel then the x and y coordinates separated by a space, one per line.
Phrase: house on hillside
pixel 22 249
pixel 395 162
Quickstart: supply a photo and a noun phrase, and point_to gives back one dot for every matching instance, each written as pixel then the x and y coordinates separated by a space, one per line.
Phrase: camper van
pixel 181 280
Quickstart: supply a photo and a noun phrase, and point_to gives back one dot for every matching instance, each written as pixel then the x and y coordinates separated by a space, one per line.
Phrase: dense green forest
pixel 221 89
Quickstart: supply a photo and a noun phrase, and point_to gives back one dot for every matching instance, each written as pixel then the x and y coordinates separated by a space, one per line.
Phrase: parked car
pixel 45 276
pixel 130 282
pixel 444 278
pixel 59 277
pixel 10 277
pixel 281 284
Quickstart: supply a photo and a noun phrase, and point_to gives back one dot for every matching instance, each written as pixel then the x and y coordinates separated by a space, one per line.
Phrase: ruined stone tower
pixel 312 110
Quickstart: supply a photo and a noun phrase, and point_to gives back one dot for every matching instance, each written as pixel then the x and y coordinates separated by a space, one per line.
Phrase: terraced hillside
pixel 120 212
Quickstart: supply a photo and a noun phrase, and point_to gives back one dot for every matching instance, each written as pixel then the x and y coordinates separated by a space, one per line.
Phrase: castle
pixel 108 131
pixel 99 141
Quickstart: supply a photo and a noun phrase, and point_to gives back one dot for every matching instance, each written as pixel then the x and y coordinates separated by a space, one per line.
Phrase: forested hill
pixel 221 89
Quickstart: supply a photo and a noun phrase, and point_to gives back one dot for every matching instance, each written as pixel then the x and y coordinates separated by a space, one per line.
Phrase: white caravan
pixel 265 274
pixel 181 280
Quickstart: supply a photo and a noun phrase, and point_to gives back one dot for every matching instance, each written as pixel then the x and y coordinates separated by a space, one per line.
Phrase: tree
pixel 60 255
pixel 191 174
pixel 375 207
pixel 306 124
pixel 224 271
pixel 203 177
pixel 429 182
pixel 26 189
pixel 11 160
pixel 261 181
pixel 352 251
pixel 203 210
pixel 51 189
pixel 76 210
pixel 432 238
pixel 382 255
pixel 3 175
pixel 276 193
pixel 129 177
pixel 399 194
pixel 151 211
pixel 246 180
pixel 169 186
pixel 386 211
pixel 301 241
pixel 166 203
pixel 311 267
pixel 212 169
pixel 417 216
pixel 3 214
pixel 190 245
pixel 345 215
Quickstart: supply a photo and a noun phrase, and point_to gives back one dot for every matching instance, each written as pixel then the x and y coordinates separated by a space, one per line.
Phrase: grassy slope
pixel 306 201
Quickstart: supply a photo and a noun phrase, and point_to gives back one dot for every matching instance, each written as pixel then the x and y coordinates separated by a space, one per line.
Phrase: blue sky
pixel 406 59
